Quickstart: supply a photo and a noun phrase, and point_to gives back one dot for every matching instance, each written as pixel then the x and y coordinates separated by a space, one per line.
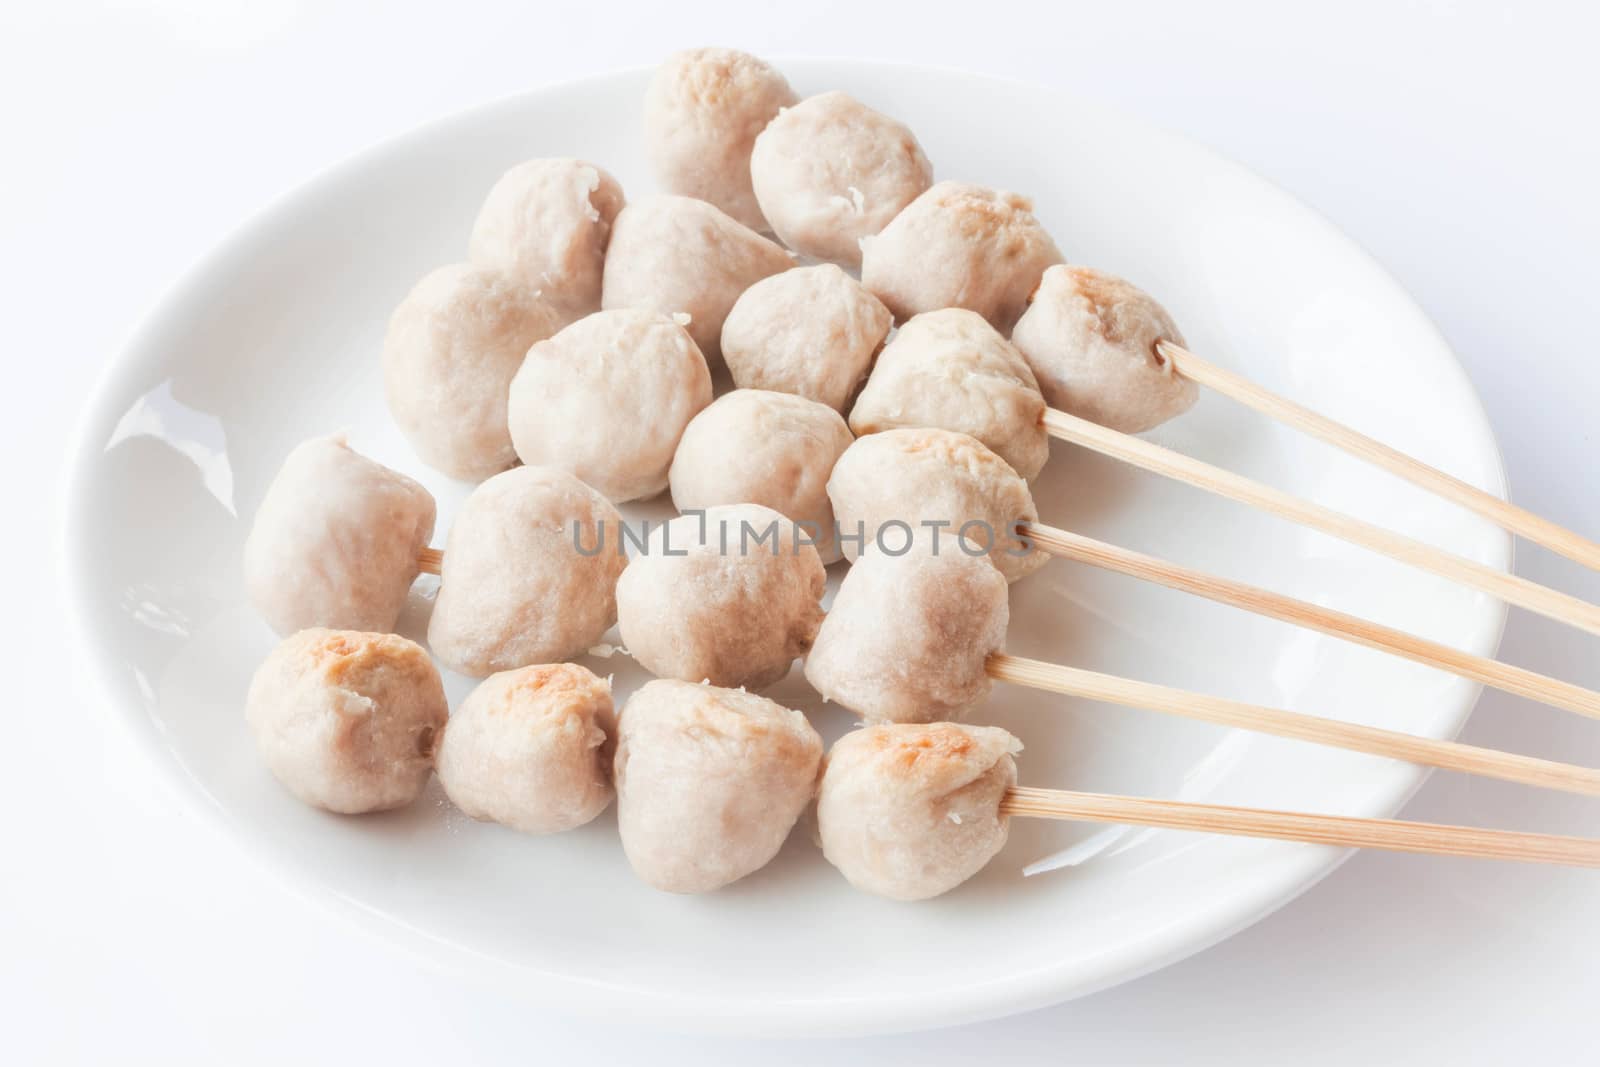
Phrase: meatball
pixel 531 749
pixel 908 635
pixel 811 331
pixel 910 811
pixel 345 720
pixel 1091 340
pixel 959 245
pixel 709 782
pixel 546 223
pixel 893 487
pixel 830 171
pixel 702 112
pixel 607 399
pixel 729 597
pixel 335 541
pixel 757 447
pixel 453 346
pixel 950 369
pixel 529 574
pixel 672 254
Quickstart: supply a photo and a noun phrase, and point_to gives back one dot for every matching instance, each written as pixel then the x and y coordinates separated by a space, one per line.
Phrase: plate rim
pixel 700 1012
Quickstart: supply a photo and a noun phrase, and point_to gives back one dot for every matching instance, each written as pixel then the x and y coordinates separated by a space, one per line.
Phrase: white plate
pixel 276 335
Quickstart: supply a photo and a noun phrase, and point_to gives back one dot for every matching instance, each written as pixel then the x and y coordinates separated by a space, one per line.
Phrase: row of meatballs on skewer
pixel 709 781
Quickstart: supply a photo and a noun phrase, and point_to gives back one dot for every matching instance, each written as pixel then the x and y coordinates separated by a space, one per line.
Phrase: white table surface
pixel 1457 142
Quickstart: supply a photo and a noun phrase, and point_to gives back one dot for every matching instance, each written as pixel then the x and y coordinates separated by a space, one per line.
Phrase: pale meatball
pixel 346 721
pixel 730 597
pixel 529 574
pixel 531 749
pixel 1091 340
pixel 910 811
pixel 702 112
pixel 453 346
pixel 709 782
pixel 672 254
pixel 810 331
pixel 546 223
pixel 830 171
pixel 959 245
pixel 950 369
pixel 607 398
pixel 892 487
pixel 908 635
pixel 752 446
pixel 335 541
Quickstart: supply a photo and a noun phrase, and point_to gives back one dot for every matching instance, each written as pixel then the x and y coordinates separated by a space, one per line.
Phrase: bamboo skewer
pixel 1339 830
pixel 1447 755
pixel 1519 521
pixel 1515 680
pixel 1152 457
pixel 429 560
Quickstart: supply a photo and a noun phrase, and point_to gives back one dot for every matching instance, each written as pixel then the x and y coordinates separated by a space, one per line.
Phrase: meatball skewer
pixel 935 655
pixel 908 478
pixel 911 811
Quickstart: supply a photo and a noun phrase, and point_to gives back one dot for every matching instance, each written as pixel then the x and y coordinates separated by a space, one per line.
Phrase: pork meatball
pixel 908 635
pixel 702 112
pixel 729 597
pixel 911 811
pixel 529 574
pixel 950 369
pixel 346 721
pixel 531 749
pixel 672 254
pixel 335 541
pixel 891 488
pixel 453 346
pixel 709 782
pixel 811 331
pixel 830 171
pixel 546 223
pixel 752 446
pixel 959 245
pixel 607 398
pixel 1091 341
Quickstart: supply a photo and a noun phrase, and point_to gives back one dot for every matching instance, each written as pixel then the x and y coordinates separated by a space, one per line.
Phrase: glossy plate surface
pixel 276 336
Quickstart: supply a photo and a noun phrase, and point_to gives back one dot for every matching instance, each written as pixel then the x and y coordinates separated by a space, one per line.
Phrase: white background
pixel 1457 142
